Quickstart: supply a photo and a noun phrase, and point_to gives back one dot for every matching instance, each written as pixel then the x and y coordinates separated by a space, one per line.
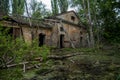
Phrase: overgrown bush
pixel 26 52
pixel 21 50
pixel 16 51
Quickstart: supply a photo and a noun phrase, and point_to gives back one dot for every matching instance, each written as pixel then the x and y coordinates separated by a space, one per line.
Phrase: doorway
pixel 61 41
pixel 41 39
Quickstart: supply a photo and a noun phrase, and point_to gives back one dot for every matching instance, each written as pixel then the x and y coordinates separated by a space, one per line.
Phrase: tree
pixel 63 5
pixel 38 9
pixel 110 17
pixel 90 26
pixel 59 6
pixel 4 7
pixel 18 7
pixel 54 5
pixel 103 16
pixel 84 11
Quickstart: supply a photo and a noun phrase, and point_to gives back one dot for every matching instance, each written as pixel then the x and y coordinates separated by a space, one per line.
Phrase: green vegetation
pixel 102 21
pixel 17 51
pixel 18 7
pixel 105 16
pixel 100 63
pixel 38 10
pixel 11 74
pixel 92 64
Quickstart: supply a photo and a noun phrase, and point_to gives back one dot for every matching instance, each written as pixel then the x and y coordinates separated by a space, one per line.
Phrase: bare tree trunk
pixel 90 26
pixel 86 16
pixel 96 24
pixel 85 8
pixel 30 22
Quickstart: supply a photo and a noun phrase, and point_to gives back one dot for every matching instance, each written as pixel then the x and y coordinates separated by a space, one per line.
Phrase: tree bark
pixel 90 26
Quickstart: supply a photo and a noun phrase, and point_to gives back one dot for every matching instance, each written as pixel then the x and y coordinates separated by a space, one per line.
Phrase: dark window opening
pixel 61 41
pixel 41 39
pixel 81 41
pixel 81 38
pixel 61 29
pixel 72 18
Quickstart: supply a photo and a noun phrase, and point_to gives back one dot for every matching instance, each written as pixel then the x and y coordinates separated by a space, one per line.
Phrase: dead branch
pixel 13 65
pixel 11 60
pixel 33 66
pixel 49 71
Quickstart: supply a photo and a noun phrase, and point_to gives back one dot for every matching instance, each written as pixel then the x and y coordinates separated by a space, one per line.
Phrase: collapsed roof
pixel 43 23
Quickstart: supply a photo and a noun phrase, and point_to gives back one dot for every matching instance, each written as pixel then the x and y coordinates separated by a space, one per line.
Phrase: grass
pixel 89 55
pixel 29 74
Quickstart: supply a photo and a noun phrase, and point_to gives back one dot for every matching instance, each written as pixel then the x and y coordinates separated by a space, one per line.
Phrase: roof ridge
pixel 63 13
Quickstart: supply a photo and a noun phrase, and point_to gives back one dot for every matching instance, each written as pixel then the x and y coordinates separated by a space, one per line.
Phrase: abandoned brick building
pixel 62 30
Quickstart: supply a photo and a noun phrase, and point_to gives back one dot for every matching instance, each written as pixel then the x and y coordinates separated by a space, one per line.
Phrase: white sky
pixel 48 4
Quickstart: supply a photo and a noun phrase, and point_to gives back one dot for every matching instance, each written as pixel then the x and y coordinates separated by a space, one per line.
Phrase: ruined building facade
pixel 62 30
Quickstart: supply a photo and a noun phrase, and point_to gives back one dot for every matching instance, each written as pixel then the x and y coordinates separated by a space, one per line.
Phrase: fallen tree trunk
pixel 49 57
pixel 62 57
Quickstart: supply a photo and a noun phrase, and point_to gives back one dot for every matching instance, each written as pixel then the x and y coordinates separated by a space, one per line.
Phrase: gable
pixel 70 16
